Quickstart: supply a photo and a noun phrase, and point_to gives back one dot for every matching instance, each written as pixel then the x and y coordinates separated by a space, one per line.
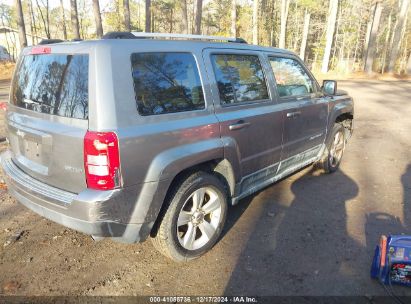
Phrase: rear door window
pixel 166 83
pixel 291 77
pixel 240 78
pixel 54 84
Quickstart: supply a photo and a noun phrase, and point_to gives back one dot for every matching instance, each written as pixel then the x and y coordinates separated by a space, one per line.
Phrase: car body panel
pixel 155 149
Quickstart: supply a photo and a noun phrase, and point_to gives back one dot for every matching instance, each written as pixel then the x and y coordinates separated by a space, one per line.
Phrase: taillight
pixel 102 160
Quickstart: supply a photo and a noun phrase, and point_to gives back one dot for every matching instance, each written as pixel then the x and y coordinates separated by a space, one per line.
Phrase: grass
pixel 6 70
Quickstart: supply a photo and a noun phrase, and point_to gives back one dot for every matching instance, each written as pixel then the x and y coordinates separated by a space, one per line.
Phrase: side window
pixel 166 83
pixel 240 78
pixel 291 78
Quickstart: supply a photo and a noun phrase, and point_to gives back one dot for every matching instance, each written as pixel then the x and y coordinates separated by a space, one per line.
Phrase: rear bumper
pixel 112 214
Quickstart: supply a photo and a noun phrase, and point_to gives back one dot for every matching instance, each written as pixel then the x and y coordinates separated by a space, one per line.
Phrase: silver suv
pixel 138 137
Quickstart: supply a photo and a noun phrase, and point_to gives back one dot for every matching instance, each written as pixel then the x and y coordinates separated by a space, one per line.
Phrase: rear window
pixel 166 83
pixel 54 84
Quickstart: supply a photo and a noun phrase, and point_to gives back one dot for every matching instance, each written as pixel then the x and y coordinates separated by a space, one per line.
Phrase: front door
pixel 305 111
pixel 247 111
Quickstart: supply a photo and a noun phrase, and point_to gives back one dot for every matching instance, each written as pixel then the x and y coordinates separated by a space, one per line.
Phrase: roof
pixel 185 43
pixel 157 40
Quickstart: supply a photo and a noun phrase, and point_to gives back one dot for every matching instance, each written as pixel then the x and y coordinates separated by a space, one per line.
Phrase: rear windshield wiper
pixel 30 101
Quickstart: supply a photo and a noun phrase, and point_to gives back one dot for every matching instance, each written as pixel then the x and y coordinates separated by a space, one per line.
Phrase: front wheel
pixel 335 149
pixel 194 218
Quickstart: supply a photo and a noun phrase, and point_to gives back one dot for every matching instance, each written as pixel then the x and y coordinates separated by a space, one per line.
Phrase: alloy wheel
pixel 337 148
pixel 199 218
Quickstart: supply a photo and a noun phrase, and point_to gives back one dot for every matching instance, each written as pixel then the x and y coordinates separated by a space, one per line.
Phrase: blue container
pixel 392 260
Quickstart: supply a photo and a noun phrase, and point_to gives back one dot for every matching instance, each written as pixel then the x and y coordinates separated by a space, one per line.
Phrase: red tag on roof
pixel 40 50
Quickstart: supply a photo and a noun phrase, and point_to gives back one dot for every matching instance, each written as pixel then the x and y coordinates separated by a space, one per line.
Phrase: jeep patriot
pixel 139 136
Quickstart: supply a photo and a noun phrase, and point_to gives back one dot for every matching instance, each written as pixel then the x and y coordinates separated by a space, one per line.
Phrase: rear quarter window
pixel 166 83
pixel 54 84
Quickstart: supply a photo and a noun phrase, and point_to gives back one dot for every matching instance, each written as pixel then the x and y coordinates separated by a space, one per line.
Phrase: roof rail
pixel 187 36
pixel 142 35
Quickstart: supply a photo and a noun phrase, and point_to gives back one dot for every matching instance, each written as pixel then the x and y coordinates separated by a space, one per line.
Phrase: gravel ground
pixel 310 234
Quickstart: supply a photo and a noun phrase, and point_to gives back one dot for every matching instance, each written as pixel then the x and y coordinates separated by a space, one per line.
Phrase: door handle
pixel 293 114
pixel 239 125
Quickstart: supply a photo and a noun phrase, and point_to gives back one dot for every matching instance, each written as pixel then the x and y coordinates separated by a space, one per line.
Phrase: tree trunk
pixel 45 19
pixel 234 18
pixel 63 20
pixel 30 6
pixel 74 19
pixel 148 16
pixel 329 34
pixel 373 37
pixel 34 22
pixel 153 20
pixel 199 15
pixel 297 35
pixel 387 42
pixel 367 39
pixel 272 23
pixel 83 33
pixel 185 16
pixel 97 18
pixel 193 18
pixel 20 23
pixel 171 20
pixel 409 65
pixel 357 41
pixel 399 29
pixel 285 4
pixel 126 9
pixel 255 22
pixel 305 34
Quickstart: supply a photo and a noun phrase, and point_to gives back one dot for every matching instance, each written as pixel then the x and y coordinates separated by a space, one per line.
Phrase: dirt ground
pixel 310 234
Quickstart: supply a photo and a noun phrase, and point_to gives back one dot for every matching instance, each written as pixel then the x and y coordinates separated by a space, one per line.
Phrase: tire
pixel 334 151
pixel 186 232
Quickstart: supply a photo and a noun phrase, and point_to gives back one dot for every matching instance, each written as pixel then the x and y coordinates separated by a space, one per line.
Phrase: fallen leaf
pixel 11 286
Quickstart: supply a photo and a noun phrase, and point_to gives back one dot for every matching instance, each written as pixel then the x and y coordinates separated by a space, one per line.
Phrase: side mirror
pixel 330 87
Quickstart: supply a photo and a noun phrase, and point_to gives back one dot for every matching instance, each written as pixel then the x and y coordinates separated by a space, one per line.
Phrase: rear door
pixel 48 117
pixel 305 109
pixel 246 109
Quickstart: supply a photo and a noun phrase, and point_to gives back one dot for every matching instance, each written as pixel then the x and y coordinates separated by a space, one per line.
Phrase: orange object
pixel 383 246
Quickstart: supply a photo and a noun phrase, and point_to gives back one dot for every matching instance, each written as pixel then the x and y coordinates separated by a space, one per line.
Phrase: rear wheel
pixel 335 149
pixel 194 218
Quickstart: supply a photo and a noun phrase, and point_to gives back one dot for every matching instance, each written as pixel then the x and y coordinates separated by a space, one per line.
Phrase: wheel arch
pixel 220 167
